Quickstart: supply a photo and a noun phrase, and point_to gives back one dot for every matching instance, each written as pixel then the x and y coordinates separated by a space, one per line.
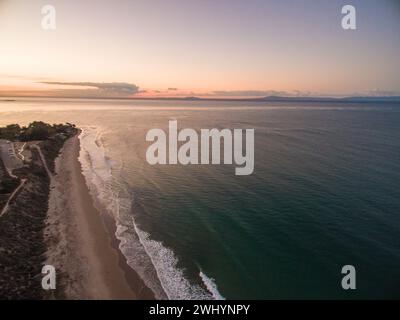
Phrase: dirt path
pixel 43 161
pixel 22 150
pixel 12 196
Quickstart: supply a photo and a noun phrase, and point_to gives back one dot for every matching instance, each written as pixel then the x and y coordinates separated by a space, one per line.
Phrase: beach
pixel 81 243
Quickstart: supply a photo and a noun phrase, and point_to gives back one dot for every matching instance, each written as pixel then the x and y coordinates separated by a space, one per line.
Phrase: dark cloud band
pixel 122 88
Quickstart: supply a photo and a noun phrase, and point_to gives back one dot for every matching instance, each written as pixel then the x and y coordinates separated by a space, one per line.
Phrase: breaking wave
pixel 155 264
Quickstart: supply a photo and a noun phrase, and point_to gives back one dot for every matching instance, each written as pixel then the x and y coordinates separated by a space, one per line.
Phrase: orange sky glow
pixel 228 49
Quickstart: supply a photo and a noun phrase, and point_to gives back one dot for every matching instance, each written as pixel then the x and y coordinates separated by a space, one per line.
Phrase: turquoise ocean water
pixel 324 194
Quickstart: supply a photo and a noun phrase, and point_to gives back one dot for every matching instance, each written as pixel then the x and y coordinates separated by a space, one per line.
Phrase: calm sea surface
pixel 325 193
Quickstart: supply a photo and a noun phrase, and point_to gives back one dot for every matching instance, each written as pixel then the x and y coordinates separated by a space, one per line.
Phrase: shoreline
pixel 81 242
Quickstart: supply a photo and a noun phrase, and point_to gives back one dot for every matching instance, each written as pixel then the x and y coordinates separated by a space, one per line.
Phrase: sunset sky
pixel 221 48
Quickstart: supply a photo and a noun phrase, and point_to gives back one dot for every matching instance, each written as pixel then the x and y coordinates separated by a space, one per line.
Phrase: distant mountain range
pixel 298 99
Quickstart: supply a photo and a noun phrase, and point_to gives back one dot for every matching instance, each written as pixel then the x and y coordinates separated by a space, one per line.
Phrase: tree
pixel 39 130
pixel 10 132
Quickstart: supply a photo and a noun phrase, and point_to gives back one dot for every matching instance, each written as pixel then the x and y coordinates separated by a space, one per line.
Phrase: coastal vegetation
pixel 24 194
pixel 36 130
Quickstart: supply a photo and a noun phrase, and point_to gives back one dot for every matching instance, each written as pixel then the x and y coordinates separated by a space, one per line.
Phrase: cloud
pixel 103 88
pixel 172 89
pixel 259 93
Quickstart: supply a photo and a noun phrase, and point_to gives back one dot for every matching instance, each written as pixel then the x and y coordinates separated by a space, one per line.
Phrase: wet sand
pixel 81 243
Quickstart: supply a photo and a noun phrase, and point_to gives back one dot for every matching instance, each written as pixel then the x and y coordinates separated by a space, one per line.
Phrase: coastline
pixel 81 242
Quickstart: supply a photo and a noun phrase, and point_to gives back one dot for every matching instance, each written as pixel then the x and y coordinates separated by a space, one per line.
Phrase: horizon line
pixel 271 98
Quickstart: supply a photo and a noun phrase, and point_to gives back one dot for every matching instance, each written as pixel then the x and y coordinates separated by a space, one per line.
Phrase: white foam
pixel 96 168
pixel 173 281
pixel 154 263
pixel 211 286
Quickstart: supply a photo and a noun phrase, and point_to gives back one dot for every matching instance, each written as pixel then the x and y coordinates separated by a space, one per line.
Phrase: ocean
pixel 324 193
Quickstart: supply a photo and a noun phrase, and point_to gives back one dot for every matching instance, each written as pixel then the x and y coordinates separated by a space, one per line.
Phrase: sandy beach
pixel 81 243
